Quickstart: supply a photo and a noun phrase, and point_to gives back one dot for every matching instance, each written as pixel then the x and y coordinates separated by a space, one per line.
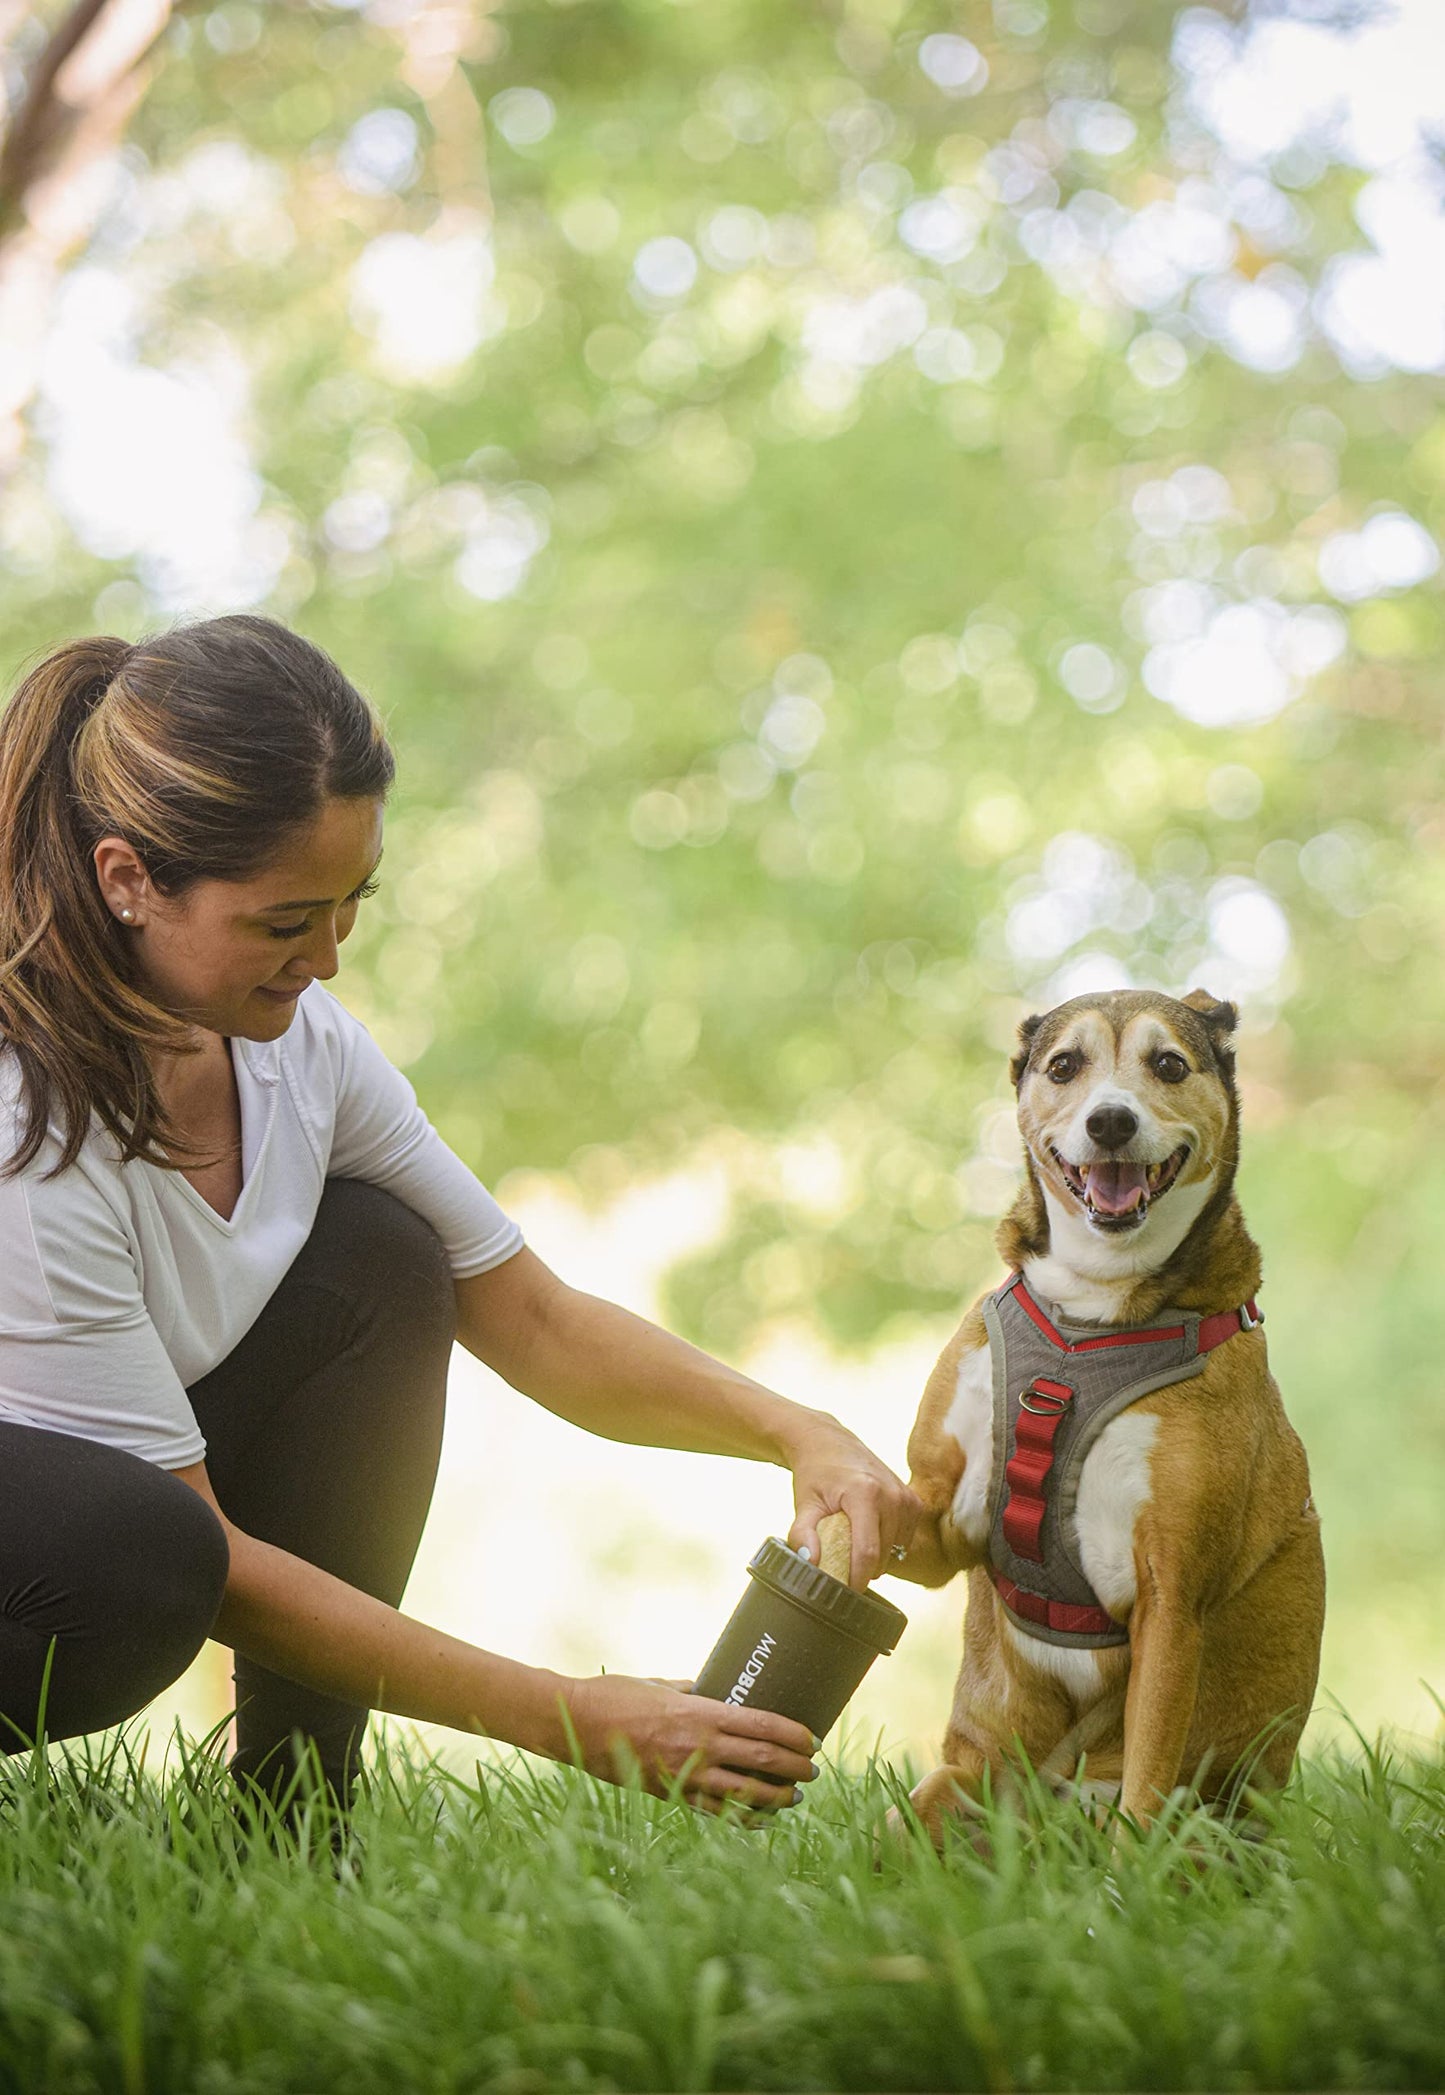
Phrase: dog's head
pixel 1127 1105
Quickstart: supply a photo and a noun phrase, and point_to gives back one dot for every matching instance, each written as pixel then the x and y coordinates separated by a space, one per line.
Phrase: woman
pixel 234 1255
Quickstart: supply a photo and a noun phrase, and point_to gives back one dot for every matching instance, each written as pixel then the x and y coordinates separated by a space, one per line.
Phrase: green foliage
pixel 529 1929
pixel 632 912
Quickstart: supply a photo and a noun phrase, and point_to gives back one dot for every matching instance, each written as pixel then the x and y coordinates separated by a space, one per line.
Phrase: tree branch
pixel 72 110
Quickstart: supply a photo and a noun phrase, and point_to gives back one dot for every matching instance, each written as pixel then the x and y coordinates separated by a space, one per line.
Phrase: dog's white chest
pixel 1114 1483
pixel 970 1421
pixel 1114 1486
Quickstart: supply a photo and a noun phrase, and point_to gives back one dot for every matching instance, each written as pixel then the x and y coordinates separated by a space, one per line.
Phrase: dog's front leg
pixel 1165 1644
pixel 929 1562
pixel 936 1463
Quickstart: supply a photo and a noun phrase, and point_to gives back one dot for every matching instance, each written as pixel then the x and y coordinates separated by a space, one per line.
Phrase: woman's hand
pixel 648 1729
pixel 834 1473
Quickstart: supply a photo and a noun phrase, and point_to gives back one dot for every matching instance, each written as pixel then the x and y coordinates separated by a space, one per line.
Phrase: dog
pixel 1102 1448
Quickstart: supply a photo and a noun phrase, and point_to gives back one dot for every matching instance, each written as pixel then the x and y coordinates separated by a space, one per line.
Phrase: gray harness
pixel 1057 1383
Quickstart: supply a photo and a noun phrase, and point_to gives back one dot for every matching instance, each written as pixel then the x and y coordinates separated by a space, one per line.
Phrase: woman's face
pixel 234 955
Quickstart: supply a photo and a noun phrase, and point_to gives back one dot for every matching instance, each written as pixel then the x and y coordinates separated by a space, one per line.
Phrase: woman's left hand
pixel 834 1473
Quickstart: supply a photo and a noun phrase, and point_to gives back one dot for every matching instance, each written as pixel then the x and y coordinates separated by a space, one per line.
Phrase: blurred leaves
pixel 859 525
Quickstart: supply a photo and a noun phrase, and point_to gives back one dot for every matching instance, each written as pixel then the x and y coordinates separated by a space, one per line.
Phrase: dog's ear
pixel 1020 1062
pixel 1220 1019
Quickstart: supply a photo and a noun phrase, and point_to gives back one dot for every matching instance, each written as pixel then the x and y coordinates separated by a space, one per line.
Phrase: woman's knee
pixel 377 1235
pixel 153 1577
pixel 121 1587
pixel 178 1592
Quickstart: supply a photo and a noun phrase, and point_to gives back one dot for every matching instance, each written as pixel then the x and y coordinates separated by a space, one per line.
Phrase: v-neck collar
pixel 257 1062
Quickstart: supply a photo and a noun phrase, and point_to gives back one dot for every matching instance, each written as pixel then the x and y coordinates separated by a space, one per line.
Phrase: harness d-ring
pixel 1049 1405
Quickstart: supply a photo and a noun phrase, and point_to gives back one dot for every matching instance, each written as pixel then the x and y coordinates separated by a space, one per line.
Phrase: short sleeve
pixel 383 1137
pixel 78 1351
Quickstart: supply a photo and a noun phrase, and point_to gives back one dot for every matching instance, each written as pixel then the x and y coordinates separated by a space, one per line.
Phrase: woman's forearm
pixel 313 1628
pixel 599 1366
pixel 614 1373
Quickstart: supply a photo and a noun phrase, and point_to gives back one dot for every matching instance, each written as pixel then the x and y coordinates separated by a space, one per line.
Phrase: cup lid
pixel 870 1618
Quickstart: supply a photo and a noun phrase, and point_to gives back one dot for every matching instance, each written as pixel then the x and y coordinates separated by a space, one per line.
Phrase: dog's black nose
pixel 1112 1126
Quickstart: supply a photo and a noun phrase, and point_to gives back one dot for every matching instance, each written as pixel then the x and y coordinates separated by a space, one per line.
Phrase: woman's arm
pixel 614 1373
pixel 315 1629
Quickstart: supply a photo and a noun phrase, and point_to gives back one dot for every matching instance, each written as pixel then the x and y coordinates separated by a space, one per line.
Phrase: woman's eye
pixel 362 894
pixel 1173 1068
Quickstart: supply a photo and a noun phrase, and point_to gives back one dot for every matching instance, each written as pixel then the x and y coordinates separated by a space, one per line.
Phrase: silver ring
pixel 898 1552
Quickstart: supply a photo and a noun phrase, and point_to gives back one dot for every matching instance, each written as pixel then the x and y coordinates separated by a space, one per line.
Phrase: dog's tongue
pixel 1115 1189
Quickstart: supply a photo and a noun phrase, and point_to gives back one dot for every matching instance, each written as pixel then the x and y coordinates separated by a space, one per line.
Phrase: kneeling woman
pixel 234 1254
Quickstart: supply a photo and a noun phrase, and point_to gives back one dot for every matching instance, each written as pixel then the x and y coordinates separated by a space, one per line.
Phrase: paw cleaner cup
pixel 799 1641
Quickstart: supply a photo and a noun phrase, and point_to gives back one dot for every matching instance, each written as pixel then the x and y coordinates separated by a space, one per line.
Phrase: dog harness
pixel 1057 1383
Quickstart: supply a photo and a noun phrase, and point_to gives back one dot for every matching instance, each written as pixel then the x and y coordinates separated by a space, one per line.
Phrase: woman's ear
pixel 120 876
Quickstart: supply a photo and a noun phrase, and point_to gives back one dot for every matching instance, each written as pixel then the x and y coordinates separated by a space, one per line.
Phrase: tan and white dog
pixel 1189 1518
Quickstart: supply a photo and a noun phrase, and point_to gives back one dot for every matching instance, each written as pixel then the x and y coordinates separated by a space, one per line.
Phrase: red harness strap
pixel 1052 1614
pixel 1042 1405
pixel 1212 1330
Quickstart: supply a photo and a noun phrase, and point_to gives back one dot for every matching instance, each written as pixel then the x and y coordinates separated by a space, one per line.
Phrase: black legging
pixel 323 1429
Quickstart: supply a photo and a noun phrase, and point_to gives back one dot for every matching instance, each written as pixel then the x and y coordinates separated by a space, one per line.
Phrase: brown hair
pixel 205 748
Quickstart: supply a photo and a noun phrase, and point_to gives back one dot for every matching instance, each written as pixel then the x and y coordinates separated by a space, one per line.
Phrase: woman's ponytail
pixel 204 748
pixel 38 842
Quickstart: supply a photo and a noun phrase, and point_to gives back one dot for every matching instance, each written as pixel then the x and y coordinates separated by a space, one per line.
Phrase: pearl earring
pixel 127 916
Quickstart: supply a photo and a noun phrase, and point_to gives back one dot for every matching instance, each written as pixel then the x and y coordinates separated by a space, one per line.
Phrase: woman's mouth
pixel 282 996
pixel 1117 1191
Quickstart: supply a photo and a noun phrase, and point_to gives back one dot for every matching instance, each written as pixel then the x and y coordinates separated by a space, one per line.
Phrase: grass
pixel 531 1930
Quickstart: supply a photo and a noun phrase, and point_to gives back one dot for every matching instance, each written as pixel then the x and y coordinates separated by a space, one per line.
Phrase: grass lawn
pixel 534 1930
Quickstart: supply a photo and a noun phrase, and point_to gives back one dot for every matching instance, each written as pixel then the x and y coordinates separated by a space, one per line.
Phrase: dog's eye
pixel 1171 1067
pixel 1062 1067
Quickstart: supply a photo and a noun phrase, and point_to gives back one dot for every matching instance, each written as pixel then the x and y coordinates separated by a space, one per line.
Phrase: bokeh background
pixel 864 519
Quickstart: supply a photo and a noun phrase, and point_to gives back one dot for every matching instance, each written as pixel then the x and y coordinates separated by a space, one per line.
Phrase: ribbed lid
pixel 866 1616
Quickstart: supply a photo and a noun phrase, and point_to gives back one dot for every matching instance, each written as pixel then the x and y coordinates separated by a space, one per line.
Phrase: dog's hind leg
pixel 1100 1726
pixel 955 1792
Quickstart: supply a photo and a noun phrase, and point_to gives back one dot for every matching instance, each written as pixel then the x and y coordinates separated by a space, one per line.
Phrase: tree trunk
pixel 71 110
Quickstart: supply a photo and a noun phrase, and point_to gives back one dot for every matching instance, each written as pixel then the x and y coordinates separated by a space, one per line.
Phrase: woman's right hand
pixel 629 1729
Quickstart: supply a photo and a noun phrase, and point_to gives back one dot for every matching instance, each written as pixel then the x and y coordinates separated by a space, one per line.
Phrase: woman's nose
pixel 321 951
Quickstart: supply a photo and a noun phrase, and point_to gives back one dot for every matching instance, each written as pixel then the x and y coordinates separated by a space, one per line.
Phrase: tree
pixel 67 115
pixel 859 520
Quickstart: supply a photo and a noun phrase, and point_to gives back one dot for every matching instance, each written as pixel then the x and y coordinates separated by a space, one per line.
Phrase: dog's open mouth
pixel 1116 1192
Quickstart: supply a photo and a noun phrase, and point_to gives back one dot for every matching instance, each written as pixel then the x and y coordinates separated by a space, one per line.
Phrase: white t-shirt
pixel 120 1285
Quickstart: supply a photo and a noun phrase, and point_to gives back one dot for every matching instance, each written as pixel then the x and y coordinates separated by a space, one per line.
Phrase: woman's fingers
pixel 833 1472
pixel 746 1754
pixel 803 1534
pixel 723 1784
pixel 900 1517
pixel 764 1724
pixel 628 1726
pixel 862 1512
